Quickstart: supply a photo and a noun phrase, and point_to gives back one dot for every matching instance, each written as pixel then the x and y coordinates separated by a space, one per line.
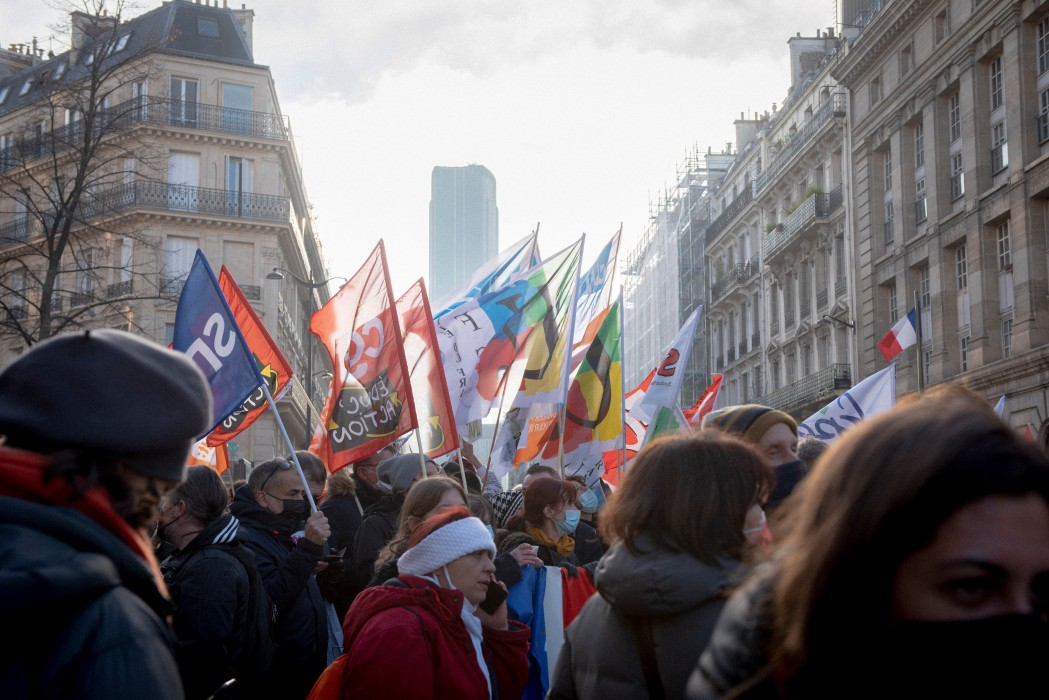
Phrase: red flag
pixel 705 403
pixel 272 365
pixel 215 457
pixel 359 328
pixel 433 408
pixel 1028 433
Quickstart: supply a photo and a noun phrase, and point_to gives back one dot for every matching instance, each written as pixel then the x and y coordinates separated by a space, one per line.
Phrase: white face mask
pixel 750 531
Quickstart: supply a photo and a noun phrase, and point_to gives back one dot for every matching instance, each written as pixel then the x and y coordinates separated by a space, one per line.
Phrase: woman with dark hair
pixel 222 613
pixel 549 520
pixel 914 562
pixel 676 527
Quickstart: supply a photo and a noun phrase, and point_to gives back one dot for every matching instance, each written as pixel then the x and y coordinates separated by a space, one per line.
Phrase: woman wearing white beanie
pixel 422 634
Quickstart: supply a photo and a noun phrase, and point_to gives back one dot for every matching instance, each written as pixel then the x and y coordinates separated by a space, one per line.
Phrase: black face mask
pixel 1002 656
pixel 788 476
pixel 294 509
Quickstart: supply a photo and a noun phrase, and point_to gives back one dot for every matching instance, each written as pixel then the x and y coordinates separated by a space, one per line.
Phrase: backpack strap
pixel 647 651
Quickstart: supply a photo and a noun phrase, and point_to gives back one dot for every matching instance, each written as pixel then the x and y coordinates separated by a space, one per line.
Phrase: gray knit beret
pixel 107 392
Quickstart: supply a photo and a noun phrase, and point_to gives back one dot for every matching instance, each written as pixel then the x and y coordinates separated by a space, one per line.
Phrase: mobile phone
pixel 494 598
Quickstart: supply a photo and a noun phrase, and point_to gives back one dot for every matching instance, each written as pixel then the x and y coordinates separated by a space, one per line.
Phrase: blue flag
pixel 205 330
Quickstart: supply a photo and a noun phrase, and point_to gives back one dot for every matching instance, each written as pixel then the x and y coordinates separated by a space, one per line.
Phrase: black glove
pixel 569 568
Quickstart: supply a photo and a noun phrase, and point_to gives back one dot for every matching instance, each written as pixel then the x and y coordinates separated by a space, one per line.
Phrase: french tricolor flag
pixel 903 335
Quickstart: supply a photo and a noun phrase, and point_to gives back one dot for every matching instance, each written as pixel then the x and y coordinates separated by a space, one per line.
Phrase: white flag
pixel 664 384
pixel 999 407
pixel 875 394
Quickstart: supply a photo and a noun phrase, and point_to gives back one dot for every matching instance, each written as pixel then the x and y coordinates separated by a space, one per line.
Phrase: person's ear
pixel 259 498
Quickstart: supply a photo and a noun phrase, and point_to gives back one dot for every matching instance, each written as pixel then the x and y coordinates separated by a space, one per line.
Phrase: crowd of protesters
pixel 910 558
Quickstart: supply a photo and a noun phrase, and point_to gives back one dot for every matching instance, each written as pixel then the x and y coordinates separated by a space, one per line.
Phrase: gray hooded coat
pixel 681 596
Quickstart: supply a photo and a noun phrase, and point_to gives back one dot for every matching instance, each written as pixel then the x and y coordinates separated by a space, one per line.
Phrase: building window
pixel 1007 338
pixel 957 177
pixel 954 116
pixel 997 88
pixel 183 106
pixel 887 171
pixel 963 353
pixel 921 209
pixel 999 148
pixel 961 268
pixel 942 24
pixel 924 287
pixel 25 87
pixel 1043 116
pixel 906 61
pixel 4 91
pixel 1043 45
pixel 919 145
pixel 893 312
pixel 208 27
pixel 1005 254
pixel 887 233
pixel 875 90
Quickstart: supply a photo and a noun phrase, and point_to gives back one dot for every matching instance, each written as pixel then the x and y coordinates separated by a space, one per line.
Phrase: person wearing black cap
pixel 97 427
pixel 774 433
pixel 271 509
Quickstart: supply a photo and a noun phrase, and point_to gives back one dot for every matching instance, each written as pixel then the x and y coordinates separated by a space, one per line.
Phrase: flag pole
pixel 462 468
pixel 622 404
pixel 498 417
pixel 918 335
pixel 422 457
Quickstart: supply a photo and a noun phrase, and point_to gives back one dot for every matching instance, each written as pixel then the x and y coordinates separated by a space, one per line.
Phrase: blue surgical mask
pixel 569 524
pixel 491 531
pixel 589 502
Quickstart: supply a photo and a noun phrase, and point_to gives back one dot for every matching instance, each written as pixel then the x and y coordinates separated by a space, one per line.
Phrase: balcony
pixel 818 206
pixel 731 212
pixel 834 107
pixel 201 200
pixel 150 110
pixel 81 299
pixel 19 230
pixel 815 387
pixel 738 273
pixel 119 289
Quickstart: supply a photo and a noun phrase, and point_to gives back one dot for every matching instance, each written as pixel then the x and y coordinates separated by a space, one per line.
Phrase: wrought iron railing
pixel 149 110
pixel 812 387
pixel 821 299
pixel 81 299
pixel 19 230
pixel 159 195
pixel 731 212
pixel 119 289
pixel 834 107
pixel 839 287
pixel 819 205
pixel 740 272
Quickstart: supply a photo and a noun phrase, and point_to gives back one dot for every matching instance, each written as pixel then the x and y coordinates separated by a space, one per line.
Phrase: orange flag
pixel 433 408
pixel 371 404
pixel 705 403
pixel 203 455
pixel 272 365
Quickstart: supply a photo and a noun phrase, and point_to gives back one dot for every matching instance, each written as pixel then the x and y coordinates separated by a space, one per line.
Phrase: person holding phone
pixel 439 629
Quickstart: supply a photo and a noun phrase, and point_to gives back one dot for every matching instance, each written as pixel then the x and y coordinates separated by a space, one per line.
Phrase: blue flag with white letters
pixel 205 330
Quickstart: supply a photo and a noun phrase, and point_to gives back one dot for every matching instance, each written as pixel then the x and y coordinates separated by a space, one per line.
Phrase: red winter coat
pixel 411 643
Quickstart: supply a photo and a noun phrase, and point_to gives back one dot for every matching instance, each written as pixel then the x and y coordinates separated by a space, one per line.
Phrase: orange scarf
pixel 564 546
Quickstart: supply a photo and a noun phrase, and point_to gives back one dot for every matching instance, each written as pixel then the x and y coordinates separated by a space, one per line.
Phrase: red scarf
pixel 22 475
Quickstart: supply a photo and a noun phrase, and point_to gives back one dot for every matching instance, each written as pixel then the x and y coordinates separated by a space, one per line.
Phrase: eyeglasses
pixel 282 465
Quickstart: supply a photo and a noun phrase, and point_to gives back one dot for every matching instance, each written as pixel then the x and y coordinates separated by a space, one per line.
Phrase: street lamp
pixel 278 273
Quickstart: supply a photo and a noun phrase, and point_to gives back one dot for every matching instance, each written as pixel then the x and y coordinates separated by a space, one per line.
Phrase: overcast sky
pixel 582 109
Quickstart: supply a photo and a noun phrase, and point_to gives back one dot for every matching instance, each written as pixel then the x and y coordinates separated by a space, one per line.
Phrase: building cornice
pixel 871 45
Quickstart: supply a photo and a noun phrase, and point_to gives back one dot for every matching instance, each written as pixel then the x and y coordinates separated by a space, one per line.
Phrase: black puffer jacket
pixel 738 649
pixel 679 596
pixel 377 529
pixel 222 613
pixel 81 612
pixel 286 568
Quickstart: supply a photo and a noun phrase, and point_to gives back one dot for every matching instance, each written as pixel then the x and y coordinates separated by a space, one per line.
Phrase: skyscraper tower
pixel 464 225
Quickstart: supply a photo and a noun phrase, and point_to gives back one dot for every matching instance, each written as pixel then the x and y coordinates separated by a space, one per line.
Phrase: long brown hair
pixel 689 494
pixel 880 493
pixel 422 497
